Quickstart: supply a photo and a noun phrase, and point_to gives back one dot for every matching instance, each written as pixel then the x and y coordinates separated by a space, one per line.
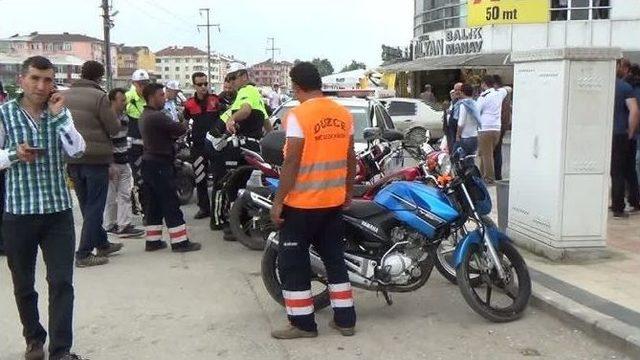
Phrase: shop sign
pixel 463 41
pixel 489 12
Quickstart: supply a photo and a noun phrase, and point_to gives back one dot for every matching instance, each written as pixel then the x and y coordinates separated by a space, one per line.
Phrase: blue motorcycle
pixel 390 245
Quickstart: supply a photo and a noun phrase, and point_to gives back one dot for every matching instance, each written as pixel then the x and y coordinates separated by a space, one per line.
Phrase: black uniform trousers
pixel 200 160
pixel 324 229
pixel 623 173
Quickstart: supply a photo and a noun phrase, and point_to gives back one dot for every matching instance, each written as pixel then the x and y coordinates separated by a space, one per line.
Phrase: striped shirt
pixel 39 187
pixel 121 142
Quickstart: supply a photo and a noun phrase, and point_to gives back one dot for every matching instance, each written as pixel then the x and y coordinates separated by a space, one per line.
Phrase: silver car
pixel 414 115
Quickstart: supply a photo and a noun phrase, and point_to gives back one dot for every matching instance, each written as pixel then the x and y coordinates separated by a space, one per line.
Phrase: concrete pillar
pixel 561 150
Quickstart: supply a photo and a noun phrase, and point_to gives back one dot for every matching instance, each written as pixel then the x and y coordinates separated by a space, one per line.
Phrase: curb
pixel 605 329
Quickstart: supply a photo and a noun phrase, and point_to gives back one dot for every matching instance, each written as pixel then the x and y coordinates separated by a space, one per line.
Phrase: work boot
pixel 227 233
pixel 112 229
pixel 155 245
pixel 292 332
pixel 202 214
pixel 91 260
pixel 35 350
pixel 129 232
pixel 620 214
pixel 345 331
pixel 215 227
pixel 109 249
pixel 185 246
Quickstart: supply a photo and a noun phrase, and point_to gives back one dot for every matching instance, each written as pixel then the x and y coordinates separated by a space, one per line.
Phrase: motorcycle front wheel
pixel 243 226
pixel 271 280
pixel 495 299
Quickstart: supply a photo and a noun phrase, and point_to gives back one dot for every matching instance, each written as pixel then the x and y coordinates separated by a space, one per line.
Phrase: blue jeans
pixel 469 145
pixel 91 184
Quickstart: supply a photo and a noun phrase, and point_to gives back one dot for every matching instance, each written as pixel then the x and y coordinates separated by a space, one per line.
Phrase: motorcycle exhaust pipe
pixel 261 200
pixel 317 266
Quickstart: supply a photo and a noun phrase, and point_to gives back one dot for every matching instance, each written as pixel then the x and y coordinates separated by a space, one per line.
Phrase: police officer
pixel 135 106
pixel 315 183
pixel 159 133
pixel 246 117
pixel 204 109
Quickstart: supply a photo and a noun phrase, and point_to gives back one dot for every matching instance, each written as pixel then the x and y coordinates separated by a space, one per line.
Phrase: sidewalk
pixel 600 296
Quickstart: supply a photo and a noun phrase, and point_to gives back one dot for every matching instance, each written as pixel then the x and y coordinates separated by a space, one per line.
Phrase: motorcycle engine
pixel 402 265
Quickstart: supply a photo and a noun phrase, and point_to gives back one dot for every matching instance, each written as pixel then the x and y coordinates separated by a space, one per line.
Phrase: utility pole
pixel 273 49
pixel 208 25
pixel 108 24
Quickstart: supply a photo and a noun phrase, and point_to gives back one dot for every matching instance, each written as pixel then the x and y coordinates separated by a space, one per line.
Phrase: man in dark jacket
pixel 159 133
pixel 97 123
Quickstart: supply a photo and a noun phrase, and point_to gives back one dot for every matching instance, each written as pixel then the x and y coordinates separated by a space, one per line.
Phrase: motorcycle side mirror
pixel 372 133
pixel 392 135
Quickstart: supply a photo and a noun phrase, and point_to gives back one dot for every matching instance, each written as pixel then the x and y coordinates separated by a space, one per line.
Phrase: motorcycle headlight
pixel 444 163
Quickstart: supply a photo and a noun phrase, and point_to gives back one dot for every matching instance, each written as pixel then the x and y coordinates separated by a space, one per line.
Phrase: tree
pixel 355 65
pixel 324 66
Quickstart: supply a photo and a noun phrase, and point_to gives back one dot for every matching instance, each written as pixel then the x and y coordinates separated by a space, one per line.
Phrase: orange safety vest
pixel 321 180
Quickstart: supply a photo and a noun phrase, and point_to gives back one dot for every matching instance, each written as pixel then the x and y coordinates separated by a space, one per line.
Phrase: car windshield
pixel 402 108
pixel 360 119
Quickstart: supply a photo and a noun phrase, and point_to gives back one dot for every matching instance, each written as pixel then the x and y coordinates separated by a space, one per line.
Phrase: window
pixel 402 108
pixel 187 77
pixel 166 77
pixel 166 68
pixel 562 10
pixel 67 46
pixel 439 15
pixel 198 60
pixel 177 68
pixel 158 61
pixel 177 77
pixel 186 68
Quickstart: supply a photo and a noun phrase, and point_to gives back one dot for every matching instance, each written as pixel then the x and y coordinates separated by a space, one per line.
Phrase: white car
pixel 414 114
pixel 366 113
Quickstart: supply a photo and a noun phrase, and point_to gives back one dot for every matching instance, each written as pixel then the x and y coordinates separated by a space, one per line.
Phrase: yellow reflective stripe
pixel 322 166
pixel 320 184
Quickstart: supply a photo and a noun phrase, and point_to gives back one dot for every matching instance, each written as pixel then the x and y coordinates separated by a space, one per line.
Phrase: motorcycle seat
pixel 361 209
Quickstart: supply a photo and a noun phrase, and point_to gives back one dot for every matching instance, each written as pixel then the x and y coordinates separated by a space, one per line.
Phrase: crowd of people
pixel 477 123
pixel 117 150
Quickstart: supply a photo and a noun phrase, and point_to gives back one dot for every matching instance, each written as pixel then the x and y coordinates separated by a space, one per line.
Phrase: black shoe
pixel 155 245
pixel 202 215
pixel 68 356
pixel 620 214
pixel 91 260
pixel 109 249
pixel 216 227
pixel 112 230
pixel 129 232
pixel 35 350
pixel 185 246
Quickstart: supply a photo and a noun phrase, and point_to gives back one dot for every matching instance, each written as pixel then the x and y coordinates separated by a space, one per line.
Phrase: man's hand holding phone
pixel 28 154
pixel 56 103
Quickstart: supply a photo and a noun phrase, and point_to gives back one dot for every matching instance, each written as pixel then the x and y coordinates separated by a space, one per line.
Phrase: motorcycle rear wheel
pixel 271 280
pixel 516 269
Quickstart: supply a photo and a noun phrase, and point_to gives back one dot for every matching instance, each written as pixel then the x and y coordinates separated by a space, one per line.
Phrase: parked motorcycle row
pixel 401 224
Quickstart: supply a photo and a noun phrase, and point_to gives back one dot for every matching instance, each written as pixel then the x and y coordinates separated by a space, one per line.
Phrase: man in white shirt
pixel 274 98
pixel 490 107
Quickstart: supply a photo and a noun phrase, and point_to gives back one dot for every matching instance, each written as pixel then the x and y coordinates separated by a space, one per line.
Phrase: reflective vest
pixel 321 180
pixel 135 103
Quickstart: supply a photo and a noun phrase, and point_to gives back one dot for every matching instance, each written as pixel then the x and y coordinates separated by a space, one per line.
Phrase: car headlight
pixel 444 163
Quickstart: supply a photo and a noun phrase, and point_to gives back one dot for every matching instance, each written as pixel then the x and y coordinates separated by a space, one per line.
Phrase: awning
pixel 451 62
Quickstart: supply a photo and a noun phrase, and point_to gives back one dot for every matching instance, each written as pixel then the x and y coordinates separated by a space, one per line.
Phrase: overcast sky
pixel 339 30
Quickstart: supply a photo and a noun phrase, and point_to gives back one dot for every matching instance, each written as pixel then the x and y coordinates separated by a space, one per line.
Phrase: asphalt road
pixel 212 304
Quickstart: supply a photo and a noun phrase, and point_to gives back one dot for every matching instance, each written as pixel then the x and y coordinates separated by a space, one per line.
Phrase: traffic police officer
pixel 135 106
pixel 315 183
pixel 160 132
pixel 246 117
pixel 204 109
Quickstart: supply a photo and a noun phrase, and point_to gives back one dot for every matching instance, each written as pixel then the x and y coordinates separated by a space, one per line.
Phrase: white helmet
pixel 172 85
pixel 235 66
pixel 140 75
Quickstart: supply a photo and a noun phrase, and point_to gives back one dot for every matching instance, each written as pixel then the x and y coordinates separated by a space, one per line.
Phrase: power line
pixel 208 25
pixel 273 49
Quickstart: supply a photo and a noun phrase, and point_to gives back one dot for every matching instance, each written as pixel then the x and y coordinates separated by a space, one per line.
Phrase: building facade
pixel 131 58
pixel 269 73
pixel 57 46
pixel 451 36
pixel 179 63
pixel 67 68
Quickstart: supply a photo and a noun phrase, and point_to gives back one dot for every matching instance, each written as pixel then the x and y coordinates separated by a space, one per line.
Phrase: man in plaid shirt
pixel 36 133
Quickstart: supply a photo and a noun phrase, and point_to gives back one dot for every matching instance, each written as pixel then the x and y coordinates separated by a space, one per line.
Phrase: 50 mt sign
pixel 495 13
pixel 488 12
